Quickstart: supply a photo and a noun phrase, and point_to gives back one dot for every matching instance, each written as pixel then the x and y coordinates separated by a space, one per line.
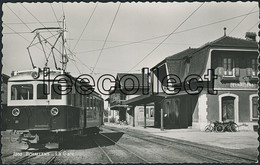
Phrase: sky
pixel 111 38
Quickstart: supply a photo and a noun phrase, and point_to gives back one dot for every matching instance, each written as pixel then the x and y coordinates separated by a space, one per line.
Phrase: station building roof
pixel 198 57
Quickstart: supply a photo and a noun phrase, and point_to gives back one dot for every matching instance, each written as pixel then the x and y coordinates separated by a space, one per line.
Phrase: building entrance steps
pixel 242 141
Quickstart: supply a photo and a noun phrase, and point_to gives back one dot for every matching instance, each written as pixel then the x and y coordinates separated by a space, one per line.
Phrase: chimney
pixel 225 31
pixel 251 36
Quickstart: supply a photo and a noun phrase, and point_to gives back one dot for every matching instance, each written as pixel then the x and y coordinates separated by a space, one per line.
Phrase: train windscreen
pixel 22 92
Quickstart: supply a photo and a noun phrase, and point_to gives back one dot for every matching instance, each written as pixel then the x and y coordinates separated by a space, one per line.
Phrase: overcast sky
pixel 125 46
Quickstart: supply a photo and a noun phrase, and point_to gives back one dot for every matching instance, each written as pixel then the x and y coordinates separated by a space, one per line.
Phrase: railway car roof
pixel 27 76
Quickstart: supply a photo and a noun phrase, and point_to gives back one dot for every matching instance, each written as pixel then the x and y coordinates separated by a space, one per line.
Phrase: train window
pixel 80 100
pixel 55 95
pixel 22 92
pixel 87 102
pixel 40 91
pixel 94 103
pixel 91 102
pixel 69 99
pixel 83 102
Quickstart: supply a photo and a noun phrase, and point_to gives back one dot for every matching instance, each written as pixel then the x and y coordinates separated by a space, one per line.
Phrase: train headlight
pixel 16 112
pixel 36 73
pixel 54 111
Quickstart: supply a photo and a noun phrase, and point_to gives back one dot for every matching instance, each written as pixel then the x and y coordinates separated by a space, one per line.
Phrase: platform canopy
pixel 118 107
pixel 144 99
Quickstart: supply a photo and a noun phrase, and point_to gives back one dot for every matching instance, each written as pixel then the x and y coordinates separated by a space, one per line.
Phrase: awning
pixel 143 99
pixel 151 98
pixel 118 107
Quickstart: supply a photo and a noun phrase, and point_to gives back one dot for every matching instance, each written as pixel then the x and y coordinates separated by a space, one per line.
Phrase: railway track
pixel 7 155
pixel 110 156
pixel 201 151
pixel 26 159
pixel 51 160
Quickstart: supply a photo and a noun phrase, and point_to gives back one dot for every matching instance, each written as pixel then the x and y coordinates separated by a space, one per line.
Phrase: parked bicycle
pixel 213 127
pixel 229 126
pixel 221 126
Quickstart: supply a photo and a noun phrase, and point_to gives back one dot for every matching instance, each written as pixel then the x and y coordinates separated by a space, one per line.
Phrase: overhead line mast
pixel 64 55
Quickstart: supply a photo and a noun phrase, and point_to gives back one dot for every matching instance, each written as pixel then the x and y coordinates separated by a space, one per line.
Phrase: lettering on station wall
pixel 242 85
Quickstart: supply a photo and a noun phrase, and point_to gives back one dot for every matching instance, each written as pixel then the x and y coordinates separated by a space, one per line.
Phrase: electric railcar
pixel 41 114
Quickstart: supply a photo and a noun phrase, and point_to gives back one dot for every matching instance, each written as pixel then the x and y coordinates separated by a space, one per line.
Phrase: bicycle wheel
pixel 219 128
pixel 234 127
pixel 208 128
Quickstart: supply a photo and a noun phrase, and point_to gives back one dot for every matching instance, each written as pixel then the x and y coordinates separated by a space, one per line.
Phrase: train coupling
pixel 29 138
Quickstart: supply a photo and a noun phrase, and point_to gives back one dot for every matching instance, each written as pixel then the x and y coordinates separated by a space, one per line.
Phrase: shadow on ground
pixel 92 140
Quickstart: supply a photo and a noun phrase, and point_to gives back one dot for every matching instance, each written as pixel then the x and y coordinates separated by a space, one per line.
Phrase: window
pixel 254 67
pixel 228 66
pixel 255 107
pixel 94 103
pixel 151 112
pixel 83 102
pixel 40 91
pixel 91 102
pixel 87 102
pixel 55 91
pixel 252 63
pixel 69 98
pixel 80 100
pixel 22 92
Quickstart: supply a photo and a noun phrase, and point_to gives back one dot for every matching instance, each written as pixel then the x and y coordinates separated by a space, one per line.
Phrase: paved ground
pixel 231 140
pixel 119 146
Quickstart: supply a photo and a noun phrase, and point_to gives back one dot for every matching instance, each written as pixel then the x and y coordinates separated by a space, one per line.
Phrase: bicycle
pixel 229 126
pixel 214 127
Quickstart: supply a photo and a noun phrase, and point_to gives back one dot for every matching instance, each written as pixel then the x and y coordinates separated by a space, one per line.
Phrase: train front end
pixel 36 108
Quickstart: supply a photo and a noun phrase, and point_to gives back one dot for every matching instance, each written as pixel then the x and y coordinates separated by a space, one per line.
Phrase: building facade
pixel 215 82
pixel 129 86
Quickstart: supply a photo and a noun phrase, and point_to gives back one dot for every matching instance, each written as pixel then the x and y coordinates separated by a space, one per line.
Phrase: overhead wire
pixel 253 26
pixel 26 32
pixel 16 32
pixel 167 37
pixel 123 41
pixel 161 36
pixel 242 36
pixel 85 27
pixel 53 35
pixel 106 37
pixel 54 14
pixel 39 20
pixel 33 15
pixel 18 17
pixel 242 20
pixel 14 23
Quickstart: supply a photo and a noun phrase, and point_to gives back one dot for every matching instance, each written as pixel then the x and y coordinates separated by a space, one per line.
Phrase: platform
pixel 231 140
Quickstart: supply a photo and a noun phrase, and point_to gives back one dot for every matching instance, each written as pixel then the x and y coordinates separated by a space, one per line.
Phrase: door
pixel 228 108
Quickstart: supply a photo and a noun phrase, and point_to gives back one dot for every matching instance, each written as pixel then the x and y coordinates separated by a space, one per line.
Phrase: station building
pixel 182 85
pixel 129 86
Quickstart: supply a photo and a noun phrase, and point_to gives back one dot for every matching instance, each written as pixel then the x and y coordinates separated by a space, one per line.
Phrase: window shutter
pixel 249 72
pixel 221 71
pixel 237 72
